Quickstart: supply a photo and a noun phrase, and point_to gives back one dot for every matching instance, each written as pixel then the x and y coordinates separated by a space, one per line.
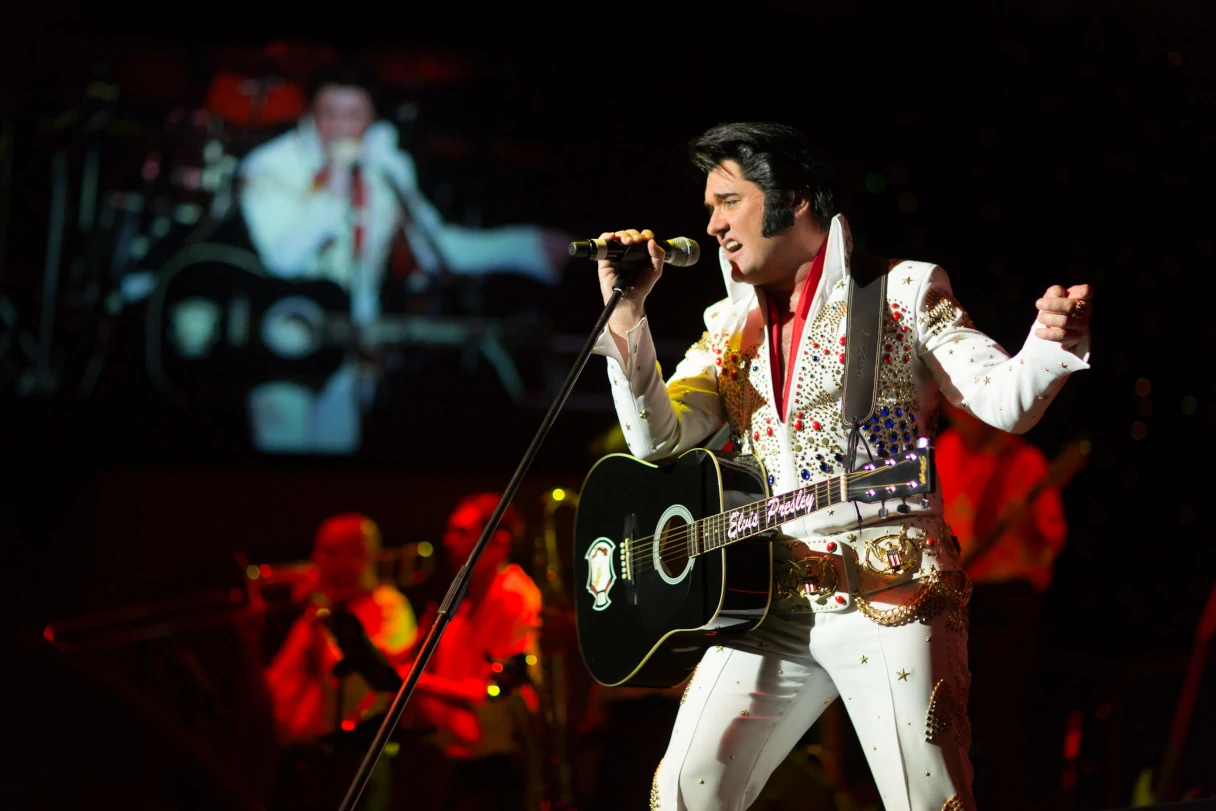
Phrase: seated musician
pixel 324 679
pixel 476 690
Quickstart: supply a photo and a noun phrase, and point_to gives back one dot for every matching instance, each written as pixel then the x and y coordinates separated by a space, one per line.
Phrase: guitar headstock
pixel 904 475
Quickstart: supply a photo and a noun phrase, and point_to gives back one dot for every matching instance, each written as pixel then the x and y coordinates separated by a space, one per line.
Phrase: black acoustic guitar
pixel 670 559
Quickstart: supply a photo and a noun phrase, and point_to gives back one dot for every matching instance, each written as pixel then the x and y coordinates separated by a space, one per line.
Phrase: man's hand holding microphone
pixel 645 257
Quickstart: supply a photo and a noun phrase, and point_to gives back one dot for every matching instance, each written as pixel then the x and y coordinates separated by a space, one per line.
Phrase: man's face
pixel 736 214
pixel 342 112
pixel 342 557
pixel 464 529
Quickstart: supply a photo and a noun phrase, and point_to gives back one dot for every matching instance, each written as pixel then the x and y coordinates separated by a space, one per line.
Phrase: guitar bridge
pixel 627 557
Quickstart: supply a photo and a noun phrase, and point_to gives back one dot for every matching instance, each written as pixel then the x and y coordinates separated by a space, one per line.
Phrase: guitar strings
pixel 720 517
pixel 679 537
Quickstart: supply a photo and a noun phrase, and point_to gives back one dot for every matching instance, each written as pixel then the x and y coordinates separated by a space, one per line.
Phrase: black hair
pixel 345 74
pixel 777 158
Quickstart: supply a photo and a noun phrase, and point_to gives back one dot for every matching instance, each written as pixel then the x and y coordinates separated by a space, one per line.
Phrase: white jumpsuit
pixel 883 626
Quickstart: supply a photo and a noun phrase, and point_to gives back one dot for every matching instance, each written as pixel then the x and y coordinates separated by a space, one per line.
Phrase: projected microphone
pixel 681 251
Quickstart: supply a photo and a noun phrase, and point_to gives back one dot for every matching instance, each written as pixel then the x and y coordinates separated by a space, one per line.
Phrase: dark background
pixel 1058 143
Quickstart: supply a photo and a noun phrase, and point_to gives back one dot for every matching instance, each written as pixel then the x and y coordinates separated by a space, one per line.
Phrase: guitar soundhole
pixel 673 547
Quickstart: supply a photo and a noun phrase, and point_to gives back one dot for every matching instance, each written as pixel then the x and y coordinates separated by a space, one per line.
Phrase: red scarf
pixel 358 201
pixel 782 377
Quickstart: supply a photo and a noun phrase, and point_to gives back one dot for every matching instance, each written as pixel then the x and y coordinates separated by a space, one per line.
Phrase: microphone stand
pixel 635 257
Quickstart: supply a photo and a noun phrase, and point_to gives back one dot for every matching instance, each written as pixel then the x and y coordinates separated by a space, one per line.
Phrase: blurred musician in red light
pixel 310 701
pixel 1002 499
pixel 477 688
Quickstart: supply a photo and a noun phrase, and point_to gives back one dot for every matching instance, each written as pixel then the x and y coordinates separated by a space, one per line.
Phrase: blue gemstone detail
pixel 874 419
pixel 814 357
pixel 772 479
pixel 890 423
pixel 903 426
pixel 755 368
pixel 839 457
pixel 899 412
pixel 880 444
pixel 883 453
pixel 806 474
pixel 885 411
pixel 819 456
pixel 911 416
pixel 907 437
pixel 825 468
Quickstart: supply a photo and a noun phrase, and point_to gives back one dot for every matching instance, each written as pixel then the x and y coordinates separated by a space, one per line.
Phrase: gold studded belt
pixel 833 573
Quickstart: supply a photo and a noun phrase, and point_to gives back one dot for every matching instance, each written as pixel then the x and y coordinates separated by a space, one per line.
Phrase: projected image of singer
pixel 331 199
pixel 870 600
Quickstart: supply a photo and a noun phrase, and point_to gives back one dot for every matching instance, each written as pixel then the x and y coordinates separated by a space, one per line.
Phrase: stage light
pixel 252 572
pixel 493 690
pixel 425 550
pixel 559 494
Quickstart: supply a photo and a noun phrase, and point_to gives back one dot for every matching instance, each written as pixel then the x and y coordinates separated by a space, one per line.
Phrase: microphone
pixel 681 251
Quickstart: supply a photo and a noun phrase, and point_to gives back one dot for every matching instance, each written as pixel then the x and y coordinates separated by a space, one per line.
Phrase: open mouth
pixel 732 245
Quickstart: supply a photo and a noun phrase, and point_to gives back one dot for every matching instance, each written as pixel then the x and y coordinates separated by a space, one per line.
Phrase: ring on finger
pixel 1079 309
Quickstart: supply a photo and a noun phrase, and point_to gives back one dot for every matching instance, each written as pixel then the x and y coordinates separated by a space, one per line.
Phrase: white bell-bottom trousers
pixel 748 703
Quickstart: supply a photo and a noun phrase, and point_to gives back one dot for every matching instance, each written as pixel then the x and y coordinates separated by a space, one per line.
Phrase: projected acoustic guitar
pixel 669 558
pixel 217 320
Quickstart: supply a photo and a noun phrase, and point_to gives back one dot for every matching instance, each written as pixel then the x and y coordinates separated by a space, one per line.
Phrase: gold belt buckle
pixel 807 577
pixel 892 555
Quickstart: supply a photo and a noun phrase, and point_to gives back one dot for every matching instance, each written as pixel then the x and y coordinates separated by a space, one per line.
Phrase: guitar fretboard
pixel 758 517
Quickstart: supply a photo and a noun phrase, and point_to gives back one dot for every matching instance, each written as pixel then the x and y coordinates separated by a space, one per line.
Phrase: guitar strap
pixel 867 304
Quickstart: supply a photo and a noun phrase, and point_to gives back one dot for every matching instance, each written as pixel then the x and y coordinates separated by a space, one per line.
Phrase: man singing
pixel 325 201
pixel 884 628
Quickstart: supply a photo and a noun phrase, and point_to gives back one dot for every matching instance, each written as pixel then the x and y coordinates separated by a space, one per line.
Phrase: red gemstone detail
pixel 886 359
pixel 842 339
pixel 734 374
pixel 842 357
pixel 768 431
pixel 894 305
pixel 718 361
pixel 798 425
pixel 831 546
pixel 839 599
pixel 756 435
pixel 930 542
pixel 904 328
pixel 815 424
pixel 887 348
pixel 907 358
pixel 800 415
pixel 899 337
pixel 734 357
pixel 896 316
pixel 815 345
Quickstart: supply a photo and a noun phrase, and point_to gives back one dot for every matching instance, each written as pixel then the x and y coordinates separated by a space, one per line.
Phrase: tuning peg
pixel 903 508
pixel 882 511
pixel 924 503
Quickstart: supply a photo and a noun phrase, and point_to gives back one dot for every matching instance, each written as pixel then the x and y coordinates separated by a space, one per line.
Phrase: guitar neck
pixel 750 520
pixel 908 475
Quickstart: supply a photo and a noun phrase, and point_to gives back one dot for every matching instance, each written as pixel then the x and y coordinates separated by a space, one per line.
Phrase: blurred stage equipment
pixel 1167 777
pixel 555 697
